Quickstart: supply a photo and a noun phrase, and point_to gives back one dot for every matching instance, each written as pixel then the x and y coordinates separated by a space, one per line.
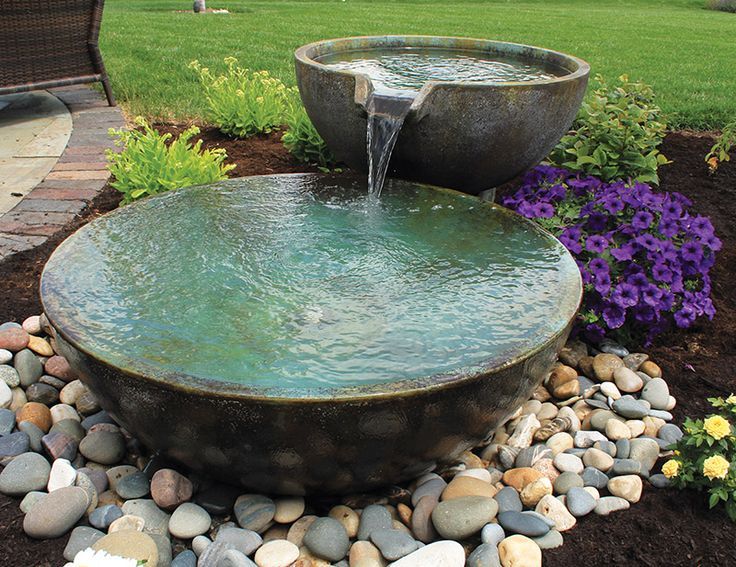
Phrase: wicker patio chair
pixel 50 43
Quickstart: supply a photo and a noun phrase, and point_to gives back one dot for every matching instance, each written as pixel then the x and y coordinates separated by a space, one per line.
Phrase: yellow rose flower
pixel 731 399
pixel 717 427
pixel 671 468
pixel 715 467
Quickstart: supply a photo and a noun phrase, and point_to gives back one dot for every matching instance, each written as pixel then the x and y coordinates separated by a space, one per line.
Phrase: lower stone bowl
pixel 469 136
pixel 291 334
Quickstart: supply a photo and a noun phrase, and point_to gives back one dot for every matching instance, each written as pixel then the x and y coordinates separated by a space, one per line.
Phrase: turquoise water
pixel 410 68
pixel 302 281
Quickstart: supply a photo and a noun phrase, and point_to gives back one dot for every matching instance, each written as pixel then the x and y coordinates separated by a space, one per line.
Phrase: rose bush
pixel 644 256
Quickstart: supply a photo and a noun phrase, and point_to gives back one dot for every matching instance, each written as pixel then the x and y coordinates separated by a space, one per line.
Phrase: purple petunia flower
pixel 672 210
pixel 602 282
pixel 625 295
pixel 691 251
pixel 685 317
pixel 623 253
pixel 597 265
pixel 614 316
pixel 638 280
pixel 669 227
pixel 596 244
pixel 642 220
pixel 544 210
pixel 648 241
pixel 597 222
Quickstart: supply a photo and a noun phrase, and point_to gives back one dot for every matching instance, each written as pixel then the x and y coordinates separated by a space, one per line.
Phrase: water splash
pixel 386 115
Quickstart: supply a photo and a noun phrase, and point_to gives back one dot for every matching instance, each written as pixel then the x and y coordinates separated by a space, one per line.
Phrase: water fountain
pixel 511 106
pixel 294 334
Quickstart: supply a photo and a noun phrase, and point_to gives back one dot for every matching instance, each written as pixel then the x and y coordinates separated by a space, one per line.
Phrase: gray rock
pixel 6 357
pixel 156 520
pixel 507 456
pixel 94 419
pixel 670 433
pixel 578 452
pixel 7 421
pixel 104 447
pixel 597 403
pixel 623 447
pixel 523 523
pixel 623 467
pixel 485 555
pixel 43 394
pixel 189 520
pixel 52 381
pixel 607 504
pixel 134 485
pixel 213 554
pixel 460 518
pixel 496 475
pixel 14 444
pixel 508 500
pixel 245 541
pixel 186 558
pixel 492 534
pixel 630 408
pixel 30 499
pixel 69 427
pixel 565 462
pixel 254 511
pixel 657 393
pixel 200 543
pixel 566 481
pixel 607 447
pixel 661 414
pixel 530 455
pixel 327 538
pixel 374 517
pixel 233 558
pixel 56 513
pixel 102 517
pixel 595 478
pixel 585 384
pixel 659 481
pixel 163 544
pixel 433 487
pixel 393 544
pixel 552 540
pixel 29 367
pixel 634 360
pixel 9 375
pixel 579 502
pixel 81 538
pixel 34 435
pixel 585 439
pixel 25 473
pixel 646 451
pixel 611 347
pixel 599 420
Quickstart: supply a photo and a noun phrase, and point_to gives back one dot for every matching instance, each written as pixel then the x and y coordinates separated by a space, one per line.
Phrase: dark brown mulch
pixel 666 527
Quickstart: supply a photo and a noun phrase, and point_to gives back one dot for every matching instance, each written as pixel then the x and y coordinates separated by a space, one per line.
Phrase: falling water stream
pixel 397 76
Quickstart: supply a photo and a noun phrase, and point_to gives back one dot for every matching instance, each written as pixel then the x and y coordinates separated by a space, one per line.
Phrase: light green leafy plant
pixel 616 134
pixel 721 150
pixel 705 457
pixel 148 165
pixel 243 102
pixel 302 139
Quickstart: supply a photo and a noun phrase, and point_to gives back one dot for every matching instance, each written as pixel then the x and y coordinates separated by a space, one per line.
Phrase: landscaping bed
pixel 665 526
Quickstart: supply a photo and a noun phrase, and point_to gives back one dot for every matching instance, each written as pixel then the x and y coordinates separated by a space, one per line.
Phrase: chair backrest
pixel 47 40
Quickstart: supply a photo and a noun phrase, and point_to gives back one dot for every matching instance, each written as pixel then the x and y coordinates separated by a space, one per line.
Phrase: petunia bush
pixel 643 255
pixel 704 458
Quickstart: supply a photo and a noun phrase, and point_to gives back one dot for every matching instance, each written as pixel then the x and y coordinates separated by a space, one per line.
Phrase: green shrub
pixel 616 134
pixel 302 139
pixel 243 102
pixel 721 5
pixel 721 150
pixel 148 165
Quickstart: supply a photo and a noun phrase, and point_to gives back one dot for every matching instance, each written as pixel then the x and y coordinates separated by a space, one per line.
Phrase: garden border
pixel 77 177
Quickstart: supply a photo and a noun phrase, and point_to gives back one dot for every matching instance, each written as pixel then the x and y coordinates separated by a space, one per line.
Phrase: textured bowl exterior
pixel 466 136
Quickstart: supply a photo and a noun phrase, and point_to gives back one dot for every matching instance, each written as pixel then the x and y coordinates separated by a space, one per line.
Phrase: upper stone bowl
pixel 291 334
pixel 469 136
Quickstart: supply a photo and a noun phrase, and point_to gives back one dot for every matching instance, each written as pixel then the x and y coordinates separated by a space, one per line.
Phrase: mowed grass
pixel 686 52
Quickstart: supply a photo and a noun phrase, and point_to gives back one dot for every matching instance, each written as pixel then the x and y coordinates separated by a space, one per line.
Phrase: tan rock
pixel 276 553
pixel 535 491
pixel 566 391
pixel 299 528
pixel 520 477
pixel 561 374
pixel 627 380
pixel 560 442
pixel 541 394
pixel 636 426
pixel 32 325
pixel 604 364
pixel 547 468
pixel 628 487
pixel 365 554
pixel 19 399
pixel 126 523
pixel 288 509
pixel 404 513
pixel 36 413
pixel 652 425
pixel 598 459
pixel 519 551
pixel 651 369
pixel 347 517
pixel 70 393
pixel 468 486
pixel 471 460
pixel 586 366
pixel 277 531
pixel 552 508
pixel 616 430
pixel 130 544
pixel 40 346
pixel 548 410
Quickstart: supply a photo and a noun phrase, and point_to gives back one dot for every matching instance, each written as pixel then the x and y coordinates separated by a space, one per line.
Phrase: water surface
pixel 304 282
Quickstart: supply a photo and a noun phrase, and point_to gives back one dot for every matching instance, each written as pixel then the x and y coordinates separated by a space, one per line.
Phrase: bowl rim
pixel 207 387
pixel 304 55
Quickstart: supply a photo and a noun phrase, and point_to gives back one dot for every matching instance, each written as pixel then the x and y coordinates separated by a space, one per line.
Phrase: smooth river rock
pixel 438 554
pixel 327 538
pixel 25 473
pixel 56 513
pixel 462 517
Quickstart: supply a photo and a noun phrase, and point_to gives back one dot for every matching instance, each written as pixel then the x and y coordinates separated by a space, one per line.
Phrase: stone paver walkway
pixel 60 188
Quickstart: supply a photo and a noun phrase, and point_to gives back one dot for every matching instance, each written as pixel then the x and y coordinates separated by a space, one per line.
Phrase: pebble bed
pixel 585 443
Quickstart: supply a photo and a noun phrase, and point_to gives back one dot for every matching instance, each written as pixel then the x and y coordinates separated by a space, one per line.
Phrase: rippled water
pixel 410 69
pixel 294 282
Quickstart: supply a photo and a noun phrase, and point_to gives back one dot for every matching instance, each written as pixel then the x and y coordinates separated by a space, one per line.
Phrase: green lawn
pixel 686 52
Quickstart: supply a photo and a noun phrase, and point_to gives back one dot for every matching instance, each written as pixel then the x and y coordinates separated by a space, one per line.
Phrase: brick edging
pixel 76 178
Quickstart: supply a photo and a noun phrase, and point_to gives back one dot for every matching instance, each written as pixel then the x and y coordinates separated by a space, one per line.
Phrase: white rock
pixel 628 487
pixel 32 325
pixel 585 439
pixel 189 520
pixel 636 427
pixel 560 442
pixel 480 474
pixel 444 553
pixel 524 432
pixel 276 553
pixel 570 413
pixel 6 396
pixel 288 509
pixel 565 462
pixel 554 509
pixel 71 392
pixel 5 356
pixel 127 522
pixel 63 474
pixel 609 389
pixel 61 412
pixel 616 430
